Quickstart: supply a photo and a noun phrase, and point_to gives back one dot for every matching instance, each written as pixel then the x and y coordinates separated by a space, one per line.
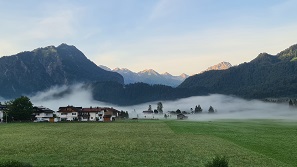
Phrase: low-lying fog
pixel 227 107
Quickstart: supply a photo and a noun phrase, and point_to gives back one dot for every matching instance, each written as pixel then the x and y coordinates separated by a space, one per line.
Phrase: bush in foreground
pixel 218 162
pixel 12 163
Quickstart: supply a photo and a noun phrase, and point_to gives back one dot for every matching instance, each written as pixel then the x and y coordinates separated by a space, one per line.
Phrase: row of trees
pixel 197 110
pixel 159 109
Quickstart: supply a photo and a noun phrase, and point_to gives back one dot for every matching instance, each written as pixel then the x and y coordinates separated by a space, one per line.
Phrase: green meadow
pixel 151 143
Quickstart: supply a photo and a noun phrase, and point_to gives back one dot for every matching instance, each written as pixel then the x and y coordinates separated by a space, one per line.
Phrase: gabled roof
pixel 70 109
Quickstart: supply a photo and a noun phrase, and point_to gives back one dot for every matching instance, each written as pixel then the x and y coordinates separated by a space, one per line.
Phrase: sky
pixel 175 36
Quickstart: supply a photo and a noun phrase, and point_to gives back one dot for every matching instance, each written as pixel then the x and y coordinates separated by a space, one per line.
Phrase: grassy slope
pixel 149 143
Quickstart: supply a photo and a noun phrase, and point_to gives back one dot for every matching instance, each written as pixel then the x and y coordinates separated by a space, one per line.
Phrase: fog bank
pixel 227 107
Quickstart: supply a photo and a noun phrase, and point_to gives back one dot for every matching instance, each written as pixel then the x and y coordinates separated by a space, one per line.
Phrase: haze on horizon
pixel 175 36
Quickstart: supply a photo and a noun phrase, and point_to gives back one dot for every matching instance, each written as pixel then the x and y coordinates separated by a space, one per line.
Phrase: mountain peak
pixel 30 72
pixel 149 72
pixel 167 74
pixel 289 53
pixel 184 76
pixel 221 66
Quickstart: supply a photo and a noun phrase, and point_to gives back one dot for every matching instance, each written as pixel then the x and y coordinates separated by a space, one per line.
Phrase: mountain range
pixel 29 72
pixel 149 76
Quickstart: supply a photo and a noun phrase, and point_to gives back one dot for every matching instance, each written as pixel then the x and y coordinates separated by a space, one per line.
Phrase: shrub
pixel 218 162
pixel 13 163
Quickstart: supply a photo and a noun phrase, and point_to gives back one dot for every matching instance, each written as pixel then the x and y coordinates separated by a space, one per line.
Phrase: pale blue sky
pixel 175 36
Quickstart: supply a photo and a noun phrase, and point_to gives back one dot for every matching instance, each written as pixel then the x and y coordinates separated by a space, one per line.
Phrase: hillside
pixel 137 93
pixel 37 70
pixel 265 76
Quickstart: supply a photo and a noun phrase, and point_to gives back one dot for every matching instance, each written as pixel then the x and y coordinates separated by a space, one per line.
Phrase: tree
pixel 20 109
pixel 290 103
pixel 210 110
pixel 178 111
pixel 165 116
pixel 198 109
pixel 127 114
pixel 160 107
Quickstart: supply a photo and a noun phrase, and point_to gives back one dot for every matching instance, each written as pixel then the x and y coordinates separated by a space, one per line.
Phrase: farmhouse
pixel 43 114
pixel 98 114
pixel 90 114
pixel 108 114
pixel 181 116
pixel 69 113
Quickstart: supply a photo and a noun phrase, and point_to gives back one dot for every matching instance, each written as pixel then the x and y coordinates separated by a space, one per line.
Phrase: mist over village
pixel 148 83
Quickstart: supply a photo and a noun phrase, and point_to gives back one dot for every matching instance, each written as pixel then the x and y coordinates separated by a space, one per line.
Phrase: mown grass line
pixel 274 139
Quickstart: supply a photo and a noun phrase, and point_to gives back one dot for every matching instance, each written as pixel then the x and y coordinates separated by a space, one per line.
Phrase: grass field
pixel 150 143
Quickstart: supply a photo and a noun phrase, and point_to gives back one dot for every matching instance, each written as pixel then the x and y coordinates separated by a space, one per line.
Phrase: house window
pixel 91 117
pixel 63 113
pixel 73 113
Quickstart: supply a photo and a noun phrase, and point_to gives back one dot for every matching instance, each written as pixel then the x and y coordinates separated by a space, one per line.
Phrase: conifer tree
pixel 210 110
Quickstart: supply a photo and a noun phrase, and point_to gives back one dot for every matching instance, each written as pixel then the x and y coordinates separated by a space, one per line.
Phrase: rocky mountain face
pixel 150 76
pixel 265 76
pixel 32 71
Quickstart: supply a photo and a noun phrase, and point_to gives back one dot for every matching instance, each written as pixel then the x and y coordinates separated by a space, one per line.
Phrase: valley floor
pixel 150 143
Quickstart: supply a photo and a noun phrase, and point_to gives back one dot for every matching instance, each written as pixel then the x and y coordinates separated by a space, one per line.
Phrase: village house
pixel 98 114
pixel 69 113
pixel 43 114
pixel 108 114
pixel 90 114
pixel 149 114
pixel 181 116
